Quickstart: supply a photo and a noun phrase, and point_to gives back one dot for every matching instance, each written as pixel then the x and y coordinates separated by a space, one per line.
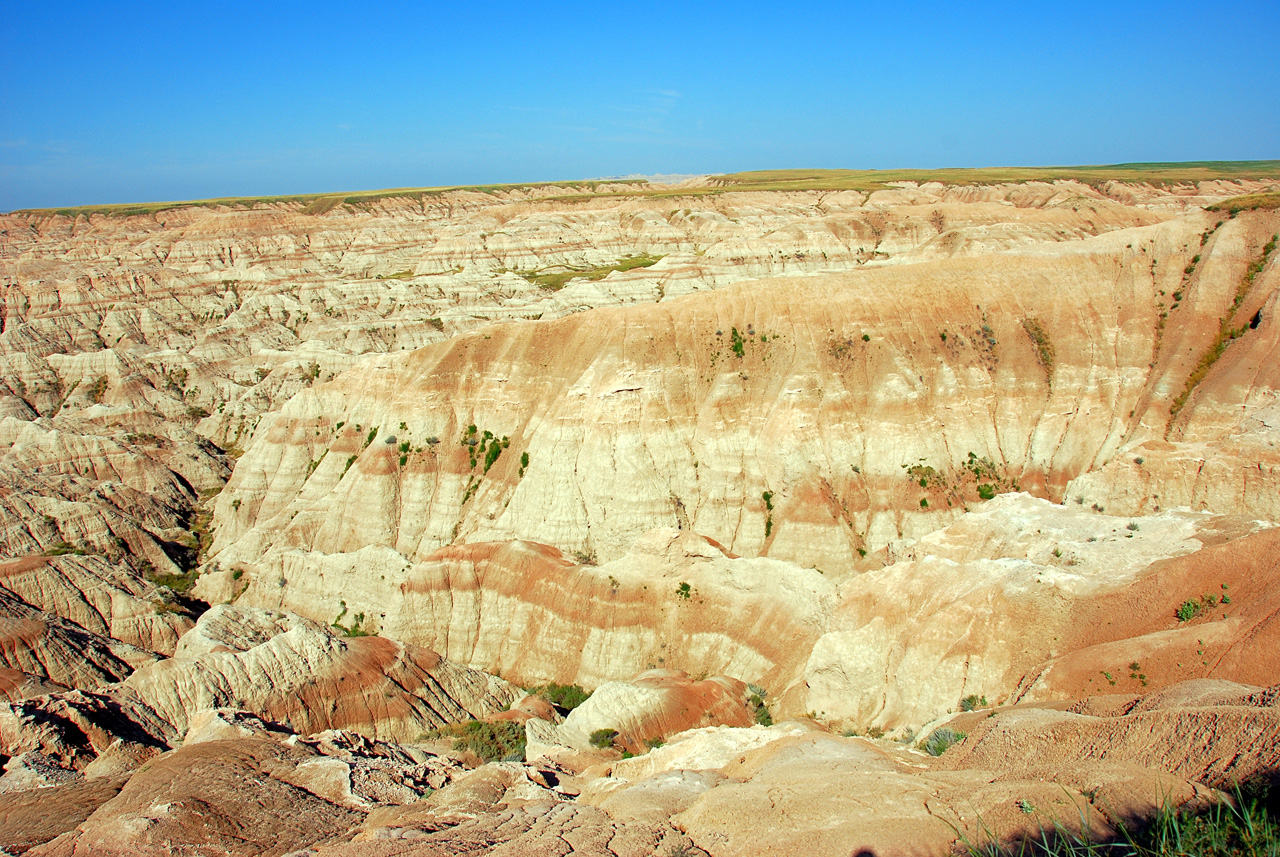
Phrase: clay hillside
pixel 899 513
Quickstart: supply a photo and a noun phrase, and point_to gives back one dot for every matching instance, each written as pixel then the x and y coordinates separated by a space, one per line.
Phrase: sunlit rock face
pixel 284 489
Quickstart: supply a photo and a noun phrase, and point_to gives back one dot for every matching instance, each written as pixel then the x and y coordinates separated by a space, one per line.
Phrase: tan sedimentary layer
pixel 290 670
pixel 1021 598
pixel 645 416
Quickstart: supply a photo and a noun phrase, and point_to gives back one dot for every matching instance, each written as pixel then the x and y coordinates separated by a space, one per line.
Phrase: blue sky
pixel 116 102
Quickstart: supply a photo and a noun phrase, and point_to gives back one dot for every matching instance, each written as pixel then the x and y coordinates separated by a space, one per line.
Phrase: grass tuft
pixel 1239 827
pixel 941 739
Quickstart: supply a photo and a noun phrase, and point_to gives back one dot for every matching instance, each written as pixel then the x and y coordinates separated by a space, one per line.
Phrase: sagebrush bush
pixel 492 742
pixel 941 739
pixel 602 738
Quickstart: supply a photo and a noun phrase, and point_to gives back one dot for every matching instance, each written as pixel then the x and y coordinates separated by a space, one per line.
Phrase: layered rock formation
pixel 285 668
pixel 809 420
pixel 707 791
pixel 897 645
pixel 284 489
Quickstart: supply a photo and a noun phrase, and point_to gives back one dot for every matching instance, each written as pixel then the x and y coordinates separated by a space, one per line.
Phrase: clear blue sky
pixel 114 102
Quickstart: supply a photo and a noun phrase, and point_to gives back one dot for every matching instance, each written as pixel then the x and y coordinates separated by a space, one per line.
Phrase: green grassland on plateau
pixel 1163 174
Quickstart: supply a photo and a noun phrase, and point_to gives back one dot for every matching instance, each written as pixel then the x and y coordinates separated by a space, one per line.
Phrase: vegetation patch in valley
pixel 1193 608
pixel 486 447
pixel 357 627
pixel 565 697
pixel 492 742
pixel 1227 333
pixel 603 738
pixel 1043 344
pixel 180 583
pixel 554 280
pixel 975 475
pixel 759 708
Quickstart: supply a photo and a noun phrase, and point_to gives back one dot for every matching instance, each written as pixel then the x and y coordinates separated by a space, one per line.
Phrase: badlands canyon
pixel 767 514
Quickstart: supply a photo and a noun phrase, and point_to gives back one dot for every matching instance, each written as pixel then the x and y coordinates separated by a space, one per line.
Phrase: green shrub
pixel 602 738
pixel 179 583
pixel 986 491
pixel 491 455
pixel 941 739
pixel 973 702
pixel 565 697
pixel 1193 607
pixel 492 742
pixel 759 710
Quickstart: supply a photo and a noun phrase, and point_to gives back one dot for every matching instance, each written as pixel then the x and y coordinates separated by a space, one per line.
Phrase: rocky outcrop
pixel 1102 763
pixel 655 704
pixel 1019 599
pixel 104 599
pixel 196 798
pixel 524 611
pixel 77 486
pixel 1212 732
pixel 1014 601
pixel 97 734
pixel 242 673
pixel 53 649
pixel 288 669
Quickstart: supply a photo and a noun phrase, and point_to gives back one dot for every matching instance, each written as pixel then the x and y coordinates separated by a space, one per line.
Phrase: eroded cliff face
pixel 946 618
pixel 842 459
pixel 809 419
